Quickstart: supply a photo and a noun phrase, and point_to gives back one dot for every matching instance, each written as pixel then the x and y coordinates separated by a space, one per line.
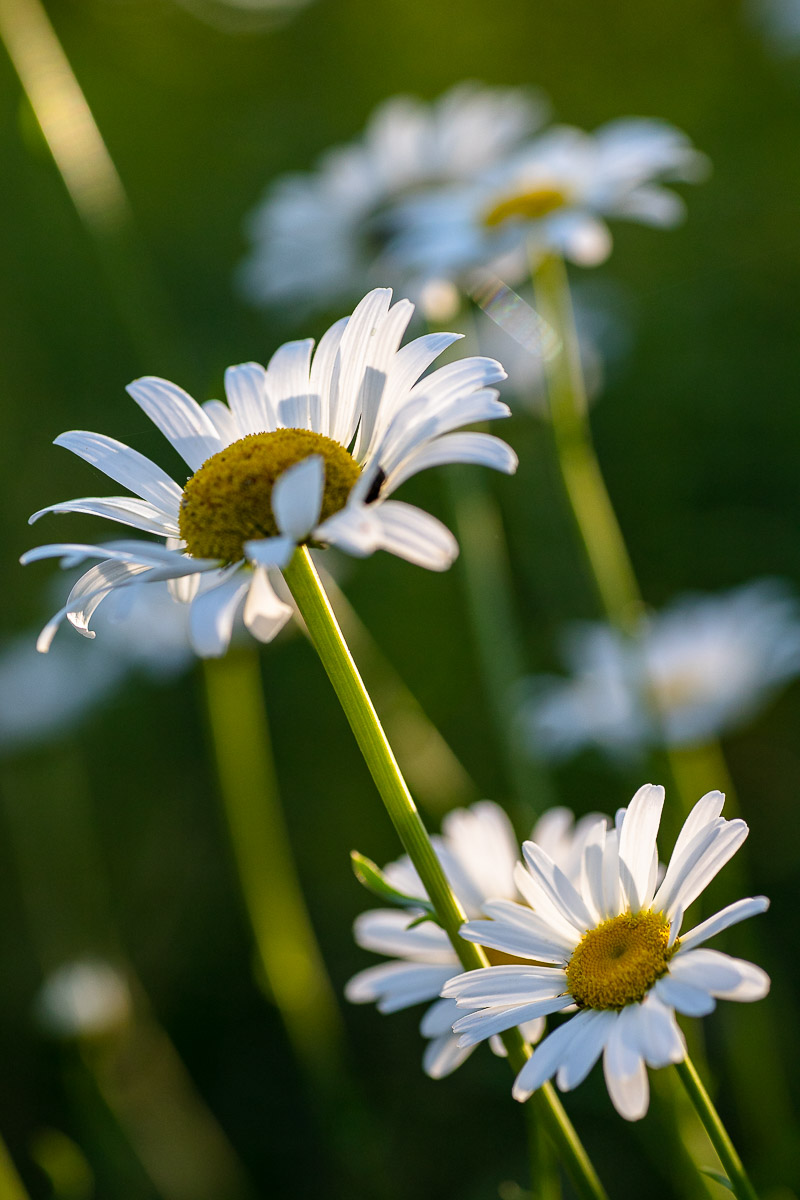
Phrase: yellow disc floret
pixel 228 500
pixel 527 206
pixel 617 963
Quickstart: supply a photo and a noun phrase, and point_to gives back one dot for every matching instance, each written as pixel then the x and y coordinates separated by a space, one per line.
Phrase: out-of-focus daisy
pixel 304 451
pixel 43 697
pixel 554 195
pixel 318 237
pixel 478 851
pixel 696 670
pixel 614 943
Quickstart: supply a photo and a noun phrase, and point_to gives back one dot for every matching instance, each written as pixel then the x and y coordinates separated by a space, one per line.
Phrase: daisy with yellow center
pixel 616 954
pixel 307 451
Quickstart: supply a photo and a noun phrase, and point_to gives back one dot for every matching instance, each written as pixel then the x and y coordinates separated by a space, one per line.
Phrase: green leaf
pixel 373 879
pixel 718 1177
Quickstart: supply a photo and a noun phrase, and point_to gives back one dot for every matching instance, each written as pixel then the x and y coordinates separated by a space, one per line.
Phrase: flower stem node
pixel 617 963
pixel 228 501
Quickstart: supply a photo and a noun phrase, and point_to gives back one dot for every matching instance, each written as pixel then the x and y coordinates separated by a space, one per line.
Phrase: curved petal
pixel 264 613
pixel 288 383
pixel 354 349
pixel 625 1070
pixel 140 514
pixel 637 843
pixel 126 466
pixel 740 910
pixel 415 535
pixel 479 448
pixel 213 613
pixel 223 421
pixel 584 1048
pixel 443 1055
pixel 179 417
pixel 547 1057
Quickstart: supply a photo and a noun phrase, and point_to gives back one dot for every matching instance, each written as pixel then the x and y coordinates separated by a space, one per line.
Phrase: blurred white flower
pixel 318 237
pixel 84 999
pixel 700 667
pixel 552 195
pixel 43 697
pixel 612 939
pixel 779 24
pixel 478 851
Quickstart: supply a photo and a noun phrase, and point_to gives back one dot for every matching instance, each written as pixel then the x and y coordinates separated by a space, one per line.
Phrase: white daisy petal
pixel 738 911
pixel 505 985
pixel 264 613
pixel 388 931
pixel 686 999
pixel 625 1070
pixel 354 351
pixel 288 383
pixel 140 514
pixel 355 530
pixel 415 535
pixel 584 1048
pixel 637 843
pixel 246 390
pixel 125 466
pixel 179 417
pixel 324 371
pixel 382 351
pixel 443 1055
pixel 478 1026
pixel 706 856
pixel 657 1034
pixel 297 497
pixel 270 552
pixel 720 975
pixel 213 613
pixel 223 421
pixel 479 448
pixel 439 1018
pixel 705 812
pixel 556 887
pixel 396 985
pixel 548 1056
pixel 533 940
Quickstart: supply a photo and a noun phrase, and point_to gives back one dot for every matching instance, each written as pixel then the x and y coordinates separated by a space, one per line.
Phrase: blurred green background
pixel 698 433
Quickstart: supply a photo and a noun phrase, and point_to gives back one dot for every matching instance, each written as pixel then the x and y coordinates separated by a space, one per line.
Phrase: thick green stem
pixel 583 481
pixel 289 956
pixel 327 639
pixel 716 1131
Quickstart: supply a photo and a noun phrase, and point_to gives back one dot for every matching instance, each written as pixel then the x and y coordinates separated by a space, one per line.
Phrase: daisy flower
pixel 306 450
pixel 702 666
pixel 318 237
pixel 478 851
pixel 553 195
pixel 614 944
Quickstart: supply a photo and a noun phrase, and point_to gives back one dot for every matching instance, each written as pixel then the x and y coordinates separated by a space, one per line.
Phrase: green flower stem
pixel 597 523
pixel 327 639
pixel 740 1184
pixel 11 1186
pixel 289 956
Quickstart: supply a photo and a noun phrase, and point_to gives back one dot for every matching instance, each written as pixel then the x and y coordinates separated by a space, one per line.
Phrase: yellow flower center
pixel 528 206
pixel 228 500
pixel 617 963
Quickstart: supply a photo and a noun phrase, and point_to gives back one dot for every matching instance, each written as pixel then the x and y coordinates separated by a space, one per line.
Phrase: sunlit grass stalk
pixel 288 953
pixel 602 537
pixel 87 169
pixel 11 1186
pixel 335 656
pixel 739 1183
pixel 485 570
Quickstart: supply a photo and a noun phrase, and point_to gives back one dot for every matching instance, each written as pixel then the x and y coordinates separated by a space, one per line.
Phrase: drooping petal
pixel 126 466
pixel 624 1068
pixel 686 999
pixel 584 1048
pixel 415 535
pixel 140 514
pixel 397 985
pixel 720 975
pixel 478 1026
pixel 390 931
pixel 179 417
pixel 547 1057
pixel 483 449
pixel 213 613
pixel 443 1055
pixel 270 552
pixel 264 613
